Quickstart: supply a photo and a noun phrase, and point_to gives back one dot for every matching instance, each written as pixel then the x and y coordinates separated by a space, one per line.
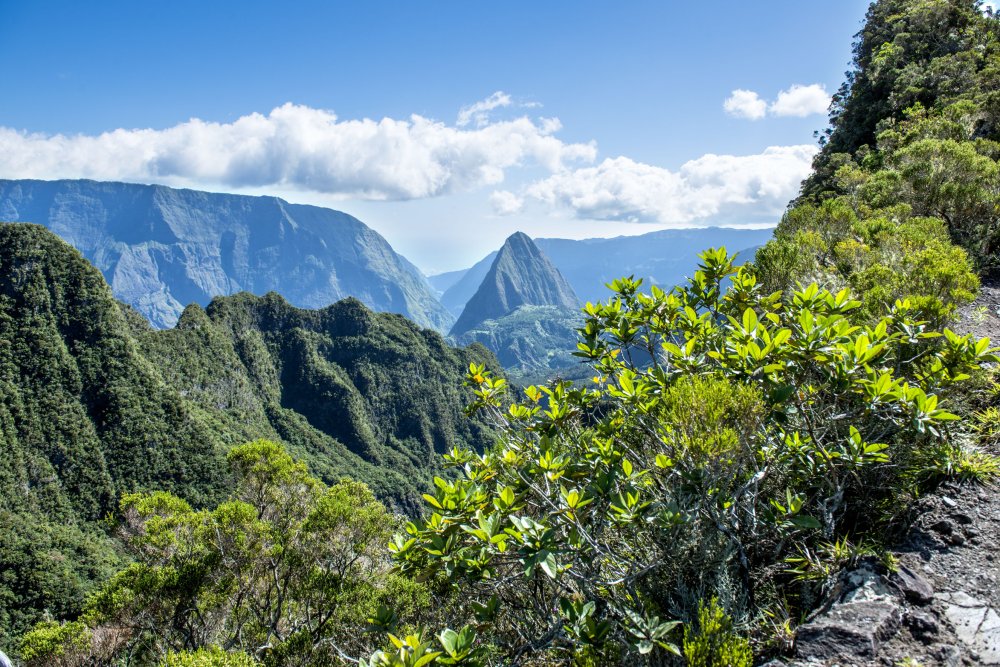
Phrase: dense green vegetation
pixel 739 440
pixel 352 392
pixel 913 134
pixel 765 430
pixel 94 403
pixel 532 343
pixel 286 570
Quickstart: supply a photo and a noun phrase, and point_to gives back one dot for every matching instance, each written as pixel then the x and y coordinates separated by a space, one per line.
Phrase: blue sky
pixel 594 118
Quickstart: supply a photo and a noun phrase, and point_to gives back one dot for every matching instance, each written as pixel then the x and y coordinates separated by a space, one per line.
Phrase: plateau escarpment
pixel 161 248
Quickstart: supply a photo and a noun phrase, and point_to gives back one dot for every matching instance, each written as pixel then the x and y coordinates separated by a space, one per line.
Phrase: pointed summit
pixel 521 275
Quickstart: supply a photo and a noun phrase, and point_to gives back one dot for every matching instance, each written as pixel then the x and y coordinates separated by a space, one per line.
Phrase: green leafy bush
pixel 725 430
pixel 711 642
pixel 207 657
pixel 286 571
pixel 56 644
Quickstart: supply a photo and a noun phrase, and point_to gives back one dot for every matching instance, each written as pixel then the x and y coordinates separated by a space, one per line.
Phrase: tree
pixel 287 571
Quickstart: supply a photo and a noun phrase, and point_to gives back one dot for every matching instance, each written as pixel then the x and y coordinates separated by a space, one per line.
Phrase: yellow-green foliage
pixel 706 419
pixel 882 254
pixel 711 642
pixel 207 657
pixel 56 644
pixel 986 423
pixel 286 561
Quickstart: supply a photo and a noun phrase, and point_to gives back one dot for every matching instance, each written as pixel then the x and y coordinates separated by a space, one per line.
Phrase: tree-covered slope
pixel 161 248
pixel 358 393
pixel 83 417
pixel 914 133
pixel 905 198
pixel 532 343
pixel 95 403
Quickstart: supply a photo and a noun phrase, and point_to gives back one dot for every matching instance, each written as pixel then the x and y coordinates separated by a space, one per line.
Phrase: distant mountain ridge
pixel 664 258
pixel 162 248
pixel 520 275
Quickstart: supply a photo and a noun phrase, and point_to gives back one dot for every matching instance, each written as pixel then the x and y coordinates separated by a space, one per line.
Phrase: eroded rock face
pixel 850 630
pixel 161 248
pixel 976 624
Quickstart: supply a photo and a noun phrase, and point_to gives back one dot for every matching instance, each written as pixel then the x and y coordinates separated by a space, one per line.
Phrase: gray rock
pixel 948 655
pixel 922 624
pixel 962 518
pixel 976 624
pixel 854 630
pixel 521 275
pixel 912 585
pixel 943 527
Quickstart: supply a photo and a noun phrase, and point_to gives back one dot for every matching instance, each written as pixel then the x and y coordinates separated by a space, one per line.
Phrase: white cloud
pixel 992 5
pixel 479 111
pixel 798 100
pixel 744 189
pixel 505 202
pixel 745 104
pixel 801 101
pixel 298 147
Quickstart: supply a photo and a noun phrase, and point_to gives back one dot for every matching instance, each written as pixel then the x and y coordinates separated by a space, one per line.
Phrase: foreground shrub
pixel 711 642
pixel 725 430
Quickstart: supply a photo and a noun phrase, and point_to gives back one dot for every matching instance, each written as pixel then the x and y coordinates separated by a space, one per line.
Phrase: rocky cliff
pixel 160 248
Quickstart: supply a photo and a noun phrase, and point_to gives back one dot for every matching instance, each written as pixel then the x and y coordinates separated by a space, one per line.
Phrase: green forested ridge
pixel 95 403
pixel 532 343
pixel 352 391
pixel 913 133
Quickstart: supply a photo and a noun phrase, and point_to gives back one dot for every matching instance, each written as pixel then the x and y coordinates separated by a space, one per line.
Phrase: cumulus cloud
pixel 505 202
pixel 801 101
pixel 711 186
pixel 745 104
pixel 991 5
pixel 298 147
pixel 798 100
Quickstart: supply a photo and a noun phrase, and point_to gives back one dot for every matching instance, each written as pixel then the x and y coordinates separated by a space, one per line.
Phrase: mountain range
pixel 663 258
pixel 161 248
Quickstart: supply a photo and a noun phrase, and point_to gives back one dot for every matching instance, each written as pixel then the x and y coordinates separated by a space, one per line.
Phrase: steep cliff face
pixel 521 275
pixel 458 292
pixel 161 249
